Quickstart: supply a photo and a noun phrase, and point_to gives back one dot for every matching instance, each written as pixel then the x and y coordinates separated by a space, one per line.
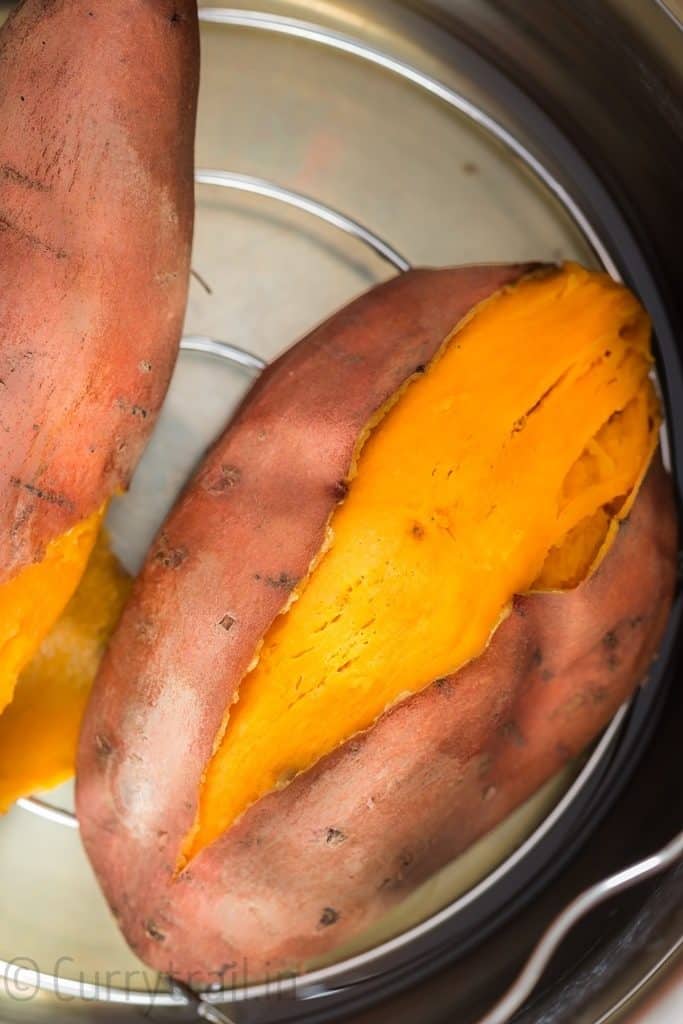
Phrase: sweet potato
pixel 97 114
pixel 273 756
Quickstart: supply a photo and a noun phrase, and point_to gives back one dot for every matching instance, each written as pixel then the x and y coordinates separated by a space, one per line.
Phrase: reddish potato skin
pixel 307 867
pixel 97 115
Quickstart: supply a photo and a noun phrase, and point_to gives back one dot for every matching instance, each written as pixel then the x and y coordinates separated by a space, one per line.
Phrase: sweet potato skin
pixel 307 867
pixel 97 114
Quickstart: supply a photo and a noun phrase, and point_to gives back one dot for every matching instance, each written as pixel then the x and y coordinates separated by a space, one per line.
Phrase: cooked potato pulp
pixel 39 728
pixel 504 466
pixel 32 601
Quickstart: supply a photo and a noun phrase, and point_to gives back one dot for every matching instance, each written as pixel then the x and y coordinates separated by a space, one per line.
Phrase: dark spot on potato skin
pixel 103 746
pixel 146 630
pixel 282 582
pixel 168 556
pixel 43 494
pixel 421 368
pixel 171 559
pixel 138 411
pixel 340 488
pixel 511 731
pixel 405 859
pixel 328 917
pixel 547 675
pixel 444 685
pixel 34 241
pixel 18 177
pixel 250 842
pixel 610 642
pixel 536 658
pixel 226 623
pixel 335 836
pixel 227 478
pixel 154 932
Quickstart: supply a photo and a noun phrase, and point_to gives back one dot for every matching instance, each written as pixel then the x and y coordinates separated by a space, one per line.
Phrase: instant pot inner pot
pixel 353 116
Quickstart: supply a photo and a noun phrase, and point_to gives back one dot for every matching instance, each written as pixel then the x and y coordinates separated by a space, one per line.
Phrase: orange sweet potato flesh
pixel 97 113
pixel 39 729
pixel 394 778
pixel 32 600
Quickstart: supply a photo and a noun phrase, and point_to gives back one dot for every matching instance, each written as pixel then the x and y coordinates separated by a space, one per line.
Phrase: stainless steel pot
pixel 339 142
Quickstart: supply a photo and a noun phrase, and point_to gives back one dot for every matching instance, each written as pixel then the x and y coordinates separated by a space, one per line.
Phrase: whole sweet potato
pixel 97 115
pixel 311 858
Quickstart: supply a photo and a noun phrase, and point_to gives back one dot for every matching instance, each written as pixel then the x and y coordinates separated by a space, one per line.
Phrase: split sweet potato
pixel 97 115
pixel 427 561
